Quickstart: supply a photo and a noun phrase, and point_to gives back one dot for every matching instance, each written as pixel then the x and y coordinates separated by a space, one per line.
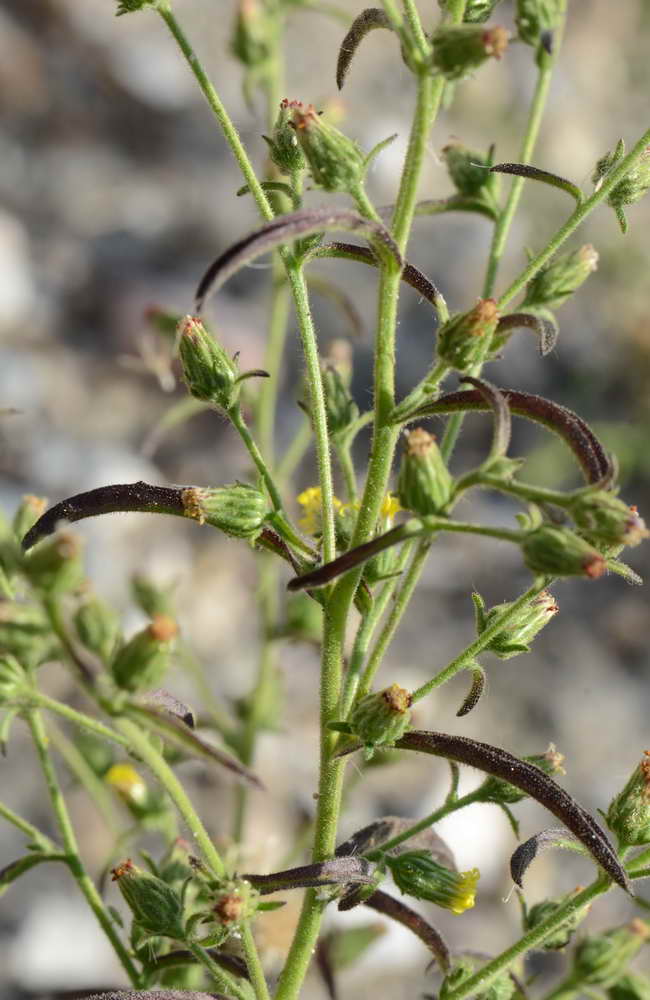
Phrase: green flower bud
pixel 143 661
pixel 604 520
pixel 424 484
pixel 629 813
pixel 462 339
pixel 381 717
pixel 98 627
pixel 210 374
pixel 540 912
pixel 554 284
pixel 631 986
pixel 285 150
pixel 468 170
pixel 252 34
pixel 418 875
pixel 235 905
pixel 25 633
pixel 501 988
pixel 54 566
pixel 499 791
pixel 237 510
pixel 560 552
pixel 476 11
pixel 458 49
pixel 28 514
pixel 151 598
pixel 630 188
pixel 336 163
pixel 519 631
pixel 155 906
pixel 535 17
pixel 13 682
pixel 339 404
pixel 601 959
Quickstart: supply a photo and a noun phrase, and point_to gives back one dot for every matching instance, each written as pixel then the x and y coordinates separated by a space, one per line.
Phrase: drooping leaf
pixel 536 174
pixel 16 868
pixel 338 871
pixel 526 853
pixel 476 690
pixel 382 902
pixel 371 837
pixel 458 203
pixel 367 21
pixel 544 327
pixel 502 423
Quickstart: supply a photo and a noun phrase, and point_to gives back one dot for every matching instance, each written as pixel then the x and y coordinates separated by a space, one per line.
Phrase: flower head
pixel 417 874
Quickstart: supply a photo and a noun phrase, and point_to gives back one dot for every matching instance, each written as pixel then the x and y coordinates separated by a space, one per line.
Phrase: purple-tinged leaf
pixel 526 853
pixel 368 20
pixel 108 500
pixel 544 327
pixel 396 910
pixel 338 871
pixel 536 174
pixel 285 229
pixel 530 779
pixel 596 465
pixel 502 423
pixel 162 700
pixel 177 732
pixel 475 692
pixel 371 837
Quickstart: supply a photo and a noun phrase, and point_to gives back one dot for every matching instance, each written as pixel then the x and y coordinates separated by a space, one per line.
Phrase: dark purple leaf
pixel 526 853
pixel 338 871
pixel 475 692
pixel 535 174
pixel 286 229
pixel 368 20
pixel 354 557
pixel 393 908
pixel 546 331
pixel 156 995
pixel 499 406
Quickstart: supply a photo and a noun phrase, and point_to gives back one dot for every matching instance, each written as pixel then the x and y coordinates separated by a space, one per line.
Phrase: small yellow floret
pixel 127 783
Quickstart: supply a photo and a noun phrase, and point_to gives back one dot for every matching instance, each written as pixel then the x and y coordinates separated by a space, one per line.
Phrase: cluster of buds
pixel 210 374
pixel 155 905
pixel 459 49
pixel 520 631
pixel 424 484
pixel 142 662
pixel 503 793
pixel 629 813
pixel 238 510
pixel 335 162
pixel 381 717
pixel 417 874
pixel 607 522
pixel 555 283
pixel 464 339
pixel 630 188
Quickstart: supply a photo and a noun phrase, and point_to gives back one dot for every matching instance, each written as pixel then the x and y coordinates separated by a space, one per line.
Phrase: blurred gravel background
pixel 116 190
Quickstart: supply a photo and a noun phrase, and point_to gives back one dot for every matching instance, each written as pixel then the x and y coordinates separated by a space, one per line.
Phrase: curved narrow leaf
pixel 367 21
pixel 371 837
pixel 596 465
pixel 286 229
pixel 457 203
pixel 530 779
pixel 173 729
pixel 410 275
pixel 396 910
pixel 545 329
pixel 178 957
pixel 535 174
pixel 475 692
pixel 16 868
pixel 278 186
pixel 338 871
pixel 502 422
pixel 138 496
pixel 162 700
pixel 157 995
pixel 528 851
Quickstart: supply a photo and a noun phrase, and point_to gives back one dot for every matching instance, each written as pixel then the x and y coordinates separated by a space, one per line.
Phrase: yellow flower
pixel 129 785
pixel 310 500
pixel 390 506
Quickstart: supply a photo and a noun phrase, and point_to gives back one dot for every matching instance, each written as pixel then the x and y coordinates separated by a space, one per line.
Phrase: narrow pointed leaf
pixel 367 21
pixel 545 329
pixel 475 692
pixel 528 851
pixel 457 203
pixel 502 423
pixel 177 732
pixel 286 229
pixel 530 779
pixel 535 174
pixel 162 700
pixel 16 868
pixel 622 569
pixel 596 465
pixel 179 957
pixel 277 186
pixel 338 871
pixel 381 902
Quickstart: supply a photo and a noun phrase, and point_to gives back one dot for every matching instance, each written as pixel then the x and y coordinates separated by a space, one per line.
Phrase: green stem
pixel 344 456
pixel 140 742
pixel 294 453
pixel 79 767
pixel 253 964
pixel 479 982
pixel 415 24
pixel 268 394
pixel 75 864
pixel 241 427
pixel 424 824
pixel 223 979
pixel 391 624
pixel 464 659
pixel 78 718
pixel 41 840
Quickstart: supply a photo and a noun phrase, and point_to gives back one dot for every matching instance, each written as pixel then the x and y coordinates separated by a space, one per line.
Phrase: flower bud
pixel 629 813
pixel 381 717
pixel 520 631
pixel 599 960
pixel 238 510
pixel 285 150
pixel 560 552
pixel 250 40
pixel 463 339
pixel 143 661
pixel 458 49
pixel 424 484
pixel 13 682
pixel 340 407
pixel 128 784
pixel 336 163
pixel 151 598
pixel 211 375
pixel 476 11
pixel 28 514
pixel 631 986
pixel 536 17
pixel 236 905
pixel 25 633
pixel 155 906
pixel 501 988
pixel 97 626
pixel 54 566
pixel 418 875
pixel 468 171
pixel 502 792
pixel 540 912
pixel 604 520
pixel 631 187
pixel 556 282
